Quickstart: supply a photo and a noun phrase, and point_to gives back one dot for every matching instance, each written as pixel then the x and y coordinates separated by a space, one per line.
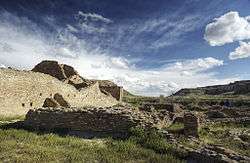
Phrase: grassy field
pixel 236 100
pixel 228 135
pixel 138 100
pixel 24 146
pixel 223 134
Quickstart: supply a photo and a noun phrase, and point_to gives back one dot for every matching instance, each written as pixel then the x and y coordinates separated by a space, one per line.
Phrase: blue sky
pixel 149 47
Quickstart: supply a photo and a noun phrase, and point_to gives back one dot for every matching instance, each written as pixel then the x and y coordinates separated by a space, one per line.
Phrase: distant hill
pixel 236 88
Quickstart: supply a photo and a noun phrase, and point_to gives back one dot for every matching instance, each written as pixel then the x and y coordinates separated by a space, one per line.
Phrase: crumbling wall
pixel 23 90
pixel 191 124
pixel 111 119
pixel 54 69
pixel 171 107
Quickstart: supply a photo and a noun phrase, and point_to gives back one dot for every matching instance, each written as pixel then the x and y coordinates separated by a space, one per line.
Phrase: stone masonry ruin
pixel 107 120
pixel 191 124
pixel 24 90
pixel 68 75
pixel 72 102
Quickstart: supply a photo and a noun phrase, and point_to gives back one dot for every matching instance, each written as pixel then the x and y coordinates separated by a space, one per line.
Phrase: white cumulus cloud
pixel 227 28
pixel 243 51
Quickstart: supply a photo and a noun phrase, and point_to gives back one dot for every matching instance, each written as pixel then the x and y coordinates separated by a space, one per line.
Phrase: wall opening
pixel 31 104
pixel 23 104
pixel 40 94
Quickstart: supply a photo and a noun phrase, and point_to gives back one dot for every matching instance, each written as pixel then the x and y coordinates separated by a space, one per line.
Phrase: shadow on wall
pixel 115 91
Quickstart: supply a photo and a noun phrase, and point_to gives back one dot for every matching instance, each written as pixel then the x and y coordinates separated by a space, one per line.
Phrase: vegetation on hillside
pixel 198 100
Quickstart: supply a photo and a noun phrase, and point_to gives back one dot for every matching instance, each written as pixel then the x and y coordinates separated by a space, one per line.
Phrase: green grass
pixel 236 100
pixel 175 127
pixel 155 141
pixel 138 100
pixel 219 133
pixel 23 146
pixel 193 100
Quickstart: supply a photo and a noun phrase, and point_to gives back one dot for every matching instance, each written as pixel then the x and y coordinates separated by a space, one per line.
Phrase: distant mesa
pixel 236 88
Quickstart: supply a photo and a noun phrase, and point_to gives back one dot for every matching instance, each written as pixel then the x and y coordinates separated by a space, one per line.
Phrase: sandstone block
pixel 61 101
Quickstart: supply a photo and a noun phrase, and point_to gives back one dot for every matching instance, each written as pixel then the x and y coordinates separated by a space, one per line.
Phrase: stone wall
pixel 59 71
pixel 23 90
pixel 111 119
pixel 191 124
pixel 175 108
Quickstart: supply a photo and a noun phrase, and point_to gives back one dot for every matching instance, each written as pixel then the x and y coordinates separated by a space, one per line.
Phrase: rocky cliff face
pixel 238 88
pixel 69 75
